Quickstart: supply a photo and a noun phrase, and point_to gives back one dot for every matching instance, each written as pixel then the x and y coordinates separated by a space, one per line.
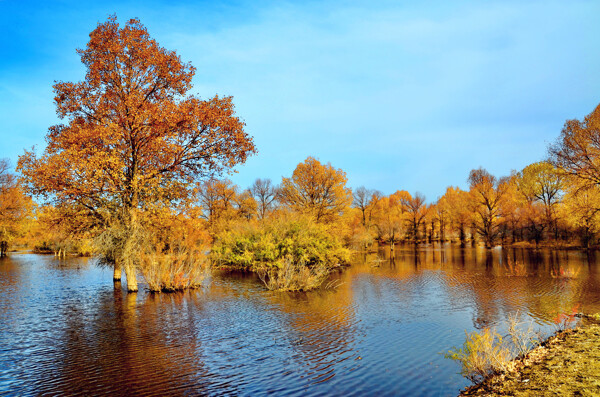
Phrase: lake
pixel 66 330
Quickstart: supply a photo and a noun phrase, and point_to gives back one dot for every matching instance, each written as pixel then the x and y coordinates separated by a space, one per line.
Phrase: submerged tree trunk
pixel 132 246
pixel 130 274
pixel 117 272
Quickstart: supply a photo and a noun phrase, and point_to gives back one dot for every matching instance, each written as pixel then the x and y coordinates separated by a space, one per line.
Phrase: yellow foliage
pixel 316 189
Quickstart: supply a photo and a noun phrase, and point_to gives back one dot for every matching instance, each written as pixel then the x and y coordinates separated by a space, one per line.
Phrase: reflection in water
pixel 65 329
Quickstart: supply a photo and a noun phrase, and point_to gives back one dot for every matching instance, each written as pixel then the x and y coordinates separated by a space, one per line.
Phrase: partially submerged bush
pixel 482 354
pixel 290 276
pixel 173 270
pixel 487 353
pixel 291 253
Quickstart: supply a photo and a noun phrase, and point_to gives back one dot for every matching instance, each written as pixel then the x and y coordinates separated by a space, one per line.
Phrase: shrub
pixel 482 354
pixel 486 352
pixel 289 253
pixel 173 270
pixel 563 321
pixel 290 276
pixel 522 339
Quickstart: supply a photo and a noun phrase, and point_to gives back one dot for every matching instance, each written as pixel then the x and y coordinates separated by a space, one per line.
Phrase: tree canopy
pixel 132 134
pixel 577 150
pixel 14 206
pixel 487 193
pixel 316 189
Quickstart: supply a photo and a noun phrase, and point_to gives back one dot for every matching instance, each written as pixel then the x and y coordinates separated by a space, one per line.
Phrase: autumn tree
pixel 62 230
pixel 515 210
pixel 365 200
pixel 216 197
pixel 134 139
pixel 316 189
pixel 441 214
pixel 389 218
pixel 245 205
pixel 416 210
pixel 541 182
pixel 576 153
pixel 265 194
pixel 457 203
pixel 582 210
pixel 486 193
pixel 14 206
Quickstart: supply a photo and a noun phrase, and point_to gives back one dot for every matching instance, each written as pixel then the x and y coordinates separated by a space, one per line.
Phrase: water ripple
pixel 65 330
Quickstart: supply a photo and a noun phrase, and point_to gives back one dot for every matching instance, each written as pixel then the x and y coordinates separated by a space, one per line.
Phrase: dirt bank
pixel 567 364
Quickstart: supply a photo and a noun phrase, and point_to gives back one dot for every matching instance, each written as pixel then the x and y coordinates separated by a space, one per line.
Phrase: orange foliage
pixel 366 200
pixel 14 207
pixel 487 194
pixel 456 203
pixel 389 218
pixel 577 151
pixel 133 137
pixel 565 320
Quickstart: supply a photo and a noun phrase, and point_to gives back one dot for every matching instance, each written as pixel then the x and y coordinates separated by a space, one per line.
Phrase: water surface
pixel 66 330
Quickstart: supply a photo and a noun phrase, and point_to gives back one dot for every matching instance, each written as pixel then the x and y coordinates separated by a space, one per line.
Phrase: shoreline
pixel 566 363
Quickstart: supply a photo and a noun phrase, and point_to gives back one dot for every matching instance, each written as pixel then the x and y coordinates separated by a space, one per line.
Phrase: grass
pixel 174 270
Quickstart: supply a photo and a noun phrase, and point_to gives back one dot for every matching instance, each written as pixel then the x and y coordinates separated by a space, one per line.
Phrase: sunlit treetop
pixel 576 153
pixel 316 189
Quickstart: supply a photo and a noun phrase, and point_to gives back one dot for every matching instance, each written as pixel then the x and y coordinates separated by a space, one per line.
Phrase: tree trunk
pixel 131 246
pixel 117 272
pixel 132 285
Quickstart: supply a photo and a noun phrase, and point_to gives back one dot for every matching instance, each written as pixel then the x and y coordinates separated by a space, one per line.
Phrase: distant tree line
pixel 134 175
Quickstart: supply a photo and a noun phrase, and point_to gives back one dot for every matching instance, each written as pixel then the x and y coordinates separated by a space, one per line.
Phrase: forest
pixel 137 177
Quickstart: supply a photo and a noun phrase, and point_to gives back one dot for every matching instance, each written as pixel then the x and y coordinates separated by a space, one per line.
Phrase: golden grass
pixel 486 353
pixel 290 276
pixel 173 270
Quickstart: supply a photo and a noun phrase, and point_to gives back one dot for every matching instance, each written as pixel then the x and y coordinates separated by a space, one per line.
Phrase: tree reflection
pixel 128 344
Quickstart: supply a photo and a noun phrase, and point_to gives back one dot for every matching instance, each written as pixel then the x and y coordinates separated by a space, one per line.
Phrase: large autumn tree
pixel 416 210
pixel 487 193
pixel 133 138
pixel 316 189
pixel 576 153
pixel 542 183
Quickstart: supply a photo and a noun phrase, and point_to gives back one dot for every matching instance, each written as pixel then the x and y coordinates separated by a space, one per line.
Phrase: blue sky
pixel 399 94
